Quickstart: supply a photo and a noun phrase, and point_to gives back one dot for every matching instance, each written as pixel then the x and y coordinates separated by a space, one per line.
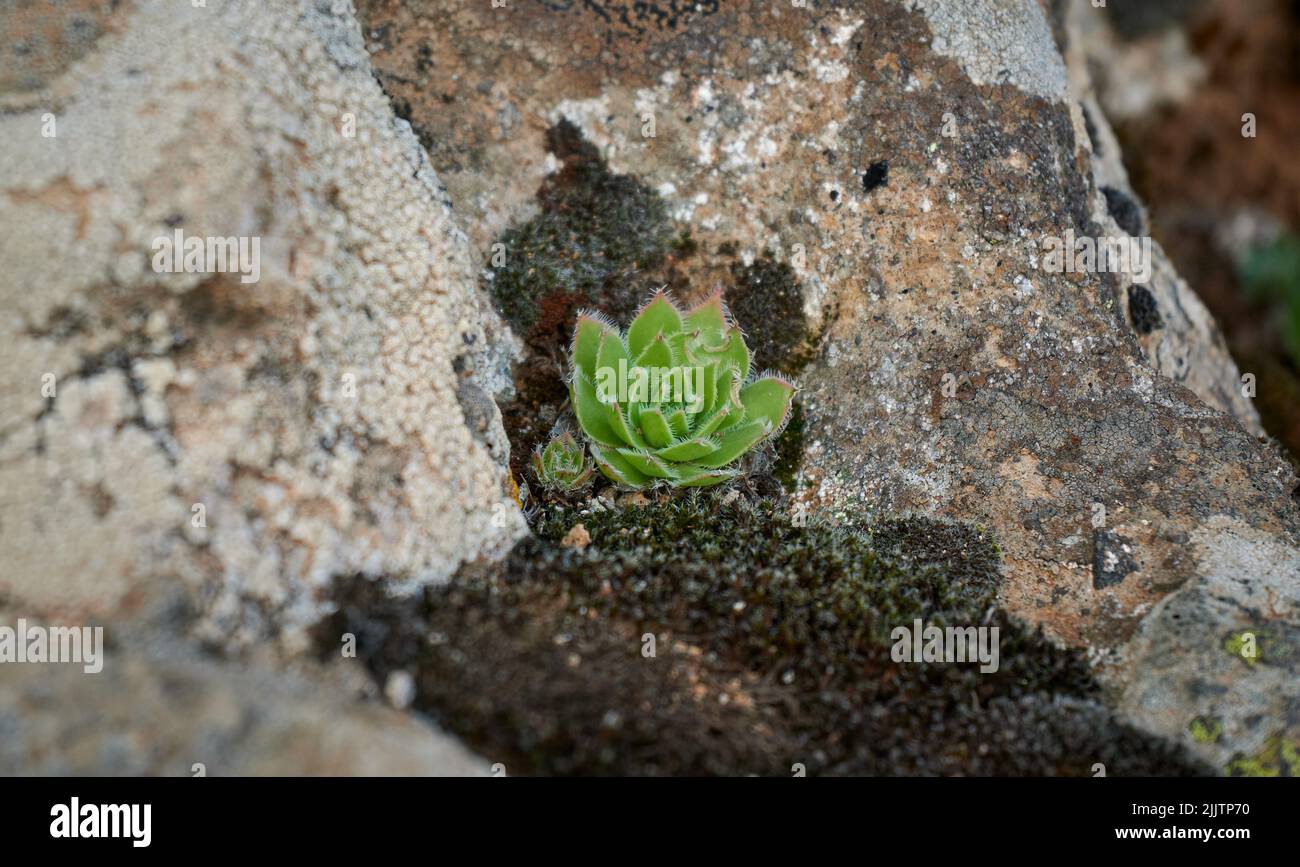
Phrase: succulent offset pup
pixel 563 465
pixel 672 400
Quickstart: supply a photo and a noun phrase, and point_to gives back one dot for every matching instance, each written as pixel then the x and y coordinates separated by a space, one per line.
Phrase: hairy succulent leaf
pixel 586 343
pixel 618 469
pixel 768 398
pixel 658 316
pixel 590 411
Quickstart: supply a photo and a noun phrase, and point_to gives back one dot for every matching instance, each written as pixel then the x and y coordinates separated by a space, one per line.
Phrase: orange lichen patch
pixel 62 195
pixel 42 39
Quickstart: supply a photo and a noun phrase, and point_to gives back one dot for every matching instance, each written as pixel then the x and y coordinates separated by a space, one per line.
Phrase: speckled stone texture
pixel 330 418
pixel 173 713
pixel 207 455
pixel 768 120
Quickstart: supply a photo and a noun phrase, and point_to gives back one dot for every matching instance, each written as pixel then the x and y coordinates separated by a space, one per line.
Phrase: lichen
pixel 1247 646
pixel 1205 730
pixel 1279 757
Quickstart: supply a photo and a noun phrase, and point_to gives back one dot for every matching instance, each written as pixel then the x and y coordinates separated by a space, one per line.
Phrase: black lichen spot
pixel 876 175
pixel 1123 210
pixel 767 301
pixel 1112 559
pixel 1142 309
pixel 701 636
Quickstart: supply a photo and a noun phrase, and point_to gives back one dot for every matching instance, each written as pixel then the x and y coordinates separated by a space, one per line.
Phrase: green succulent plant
pixel 563 465
pixel 671 400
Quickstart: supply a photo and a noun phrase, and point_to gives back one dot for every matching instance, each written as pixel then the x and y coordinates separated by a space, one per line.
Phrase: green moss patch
pixel 767 300
pixel 771 648
pixel 789 449
pixel 600 240
pixel 594 240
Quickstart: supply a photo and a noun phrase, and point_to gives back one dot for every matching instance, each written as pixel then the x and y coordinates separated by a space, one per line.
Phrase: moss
pixel 685 245
pixel 789 449
pixel 1279 757
pixel 767 301
pixel 1205 730
pixel 772 646
pixel 595 233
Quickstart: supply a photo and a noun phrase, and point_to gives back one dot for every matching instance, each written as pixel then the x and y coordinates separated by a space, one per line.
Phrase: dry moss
pixel 771 648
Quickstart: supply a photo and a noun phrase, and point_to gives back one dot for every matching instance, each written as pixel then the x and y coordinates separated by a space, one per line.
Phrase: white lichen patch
pixel 237 445
pixel 998 42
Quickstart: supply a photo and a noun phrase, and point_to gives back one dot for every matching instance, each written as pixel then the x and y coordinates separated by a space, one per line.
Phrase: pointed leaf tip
pixel 659 315
pixel 710 316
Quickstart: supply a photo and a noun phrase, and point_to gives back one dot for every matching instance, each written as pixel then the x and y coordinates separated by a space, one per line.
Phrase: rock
pixel 1179 338
pixel 254 439
pixel 165 715
pixel 952 375
pixel 194 457
pixel 577 537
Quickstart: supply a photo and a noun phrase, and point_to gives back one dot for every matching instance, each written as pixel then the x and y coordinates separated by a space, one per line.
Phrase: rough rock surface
pixel 161 715
pixel 906 171
pixel 187 456
pixel 331 418
pixel 1179 337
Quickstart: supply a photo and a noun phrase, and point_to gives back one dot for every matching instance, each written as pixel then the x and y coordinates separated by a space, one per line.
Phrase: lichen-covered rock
pixel 1179 337
pixel 251 440
pixel 906 160
pixel 172 714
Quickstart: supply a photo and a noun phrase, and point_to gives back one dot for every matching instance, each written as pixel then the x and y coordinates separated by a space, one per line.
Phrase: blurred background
pixel 1175 78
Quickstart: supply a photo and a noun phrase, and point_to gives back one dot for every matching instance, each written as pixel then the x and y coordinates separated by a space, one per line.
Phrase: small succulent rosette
pixel 563 466
pixel 672 400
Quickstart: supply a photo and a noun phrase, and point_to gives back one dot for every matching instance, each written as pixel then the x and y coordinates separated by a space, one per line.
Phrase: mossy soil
pixel 707 635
